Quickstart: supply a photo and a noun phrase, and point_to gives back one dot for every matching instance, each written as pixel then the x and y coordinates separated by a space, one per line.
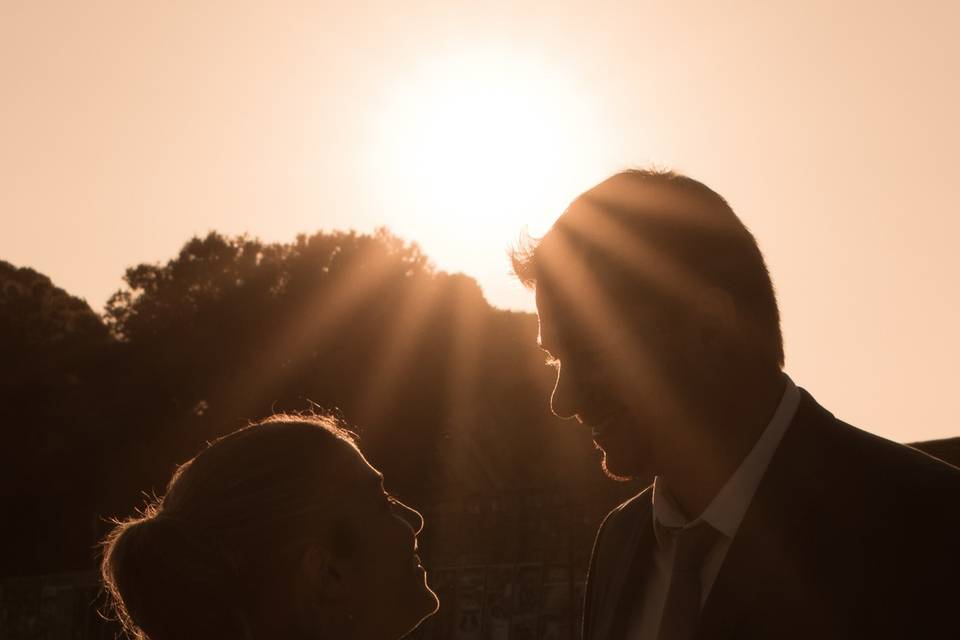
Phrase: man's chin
pixel 614 475
pixel 621 469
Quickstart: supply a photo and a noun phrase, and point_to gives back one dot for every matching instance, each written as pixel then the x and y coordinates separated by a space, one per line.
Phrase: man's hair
pixel 659 239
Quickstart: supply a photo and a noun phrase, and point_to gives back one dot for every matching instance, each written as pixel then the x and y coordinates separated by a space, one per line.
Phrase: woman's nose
pixel 410 516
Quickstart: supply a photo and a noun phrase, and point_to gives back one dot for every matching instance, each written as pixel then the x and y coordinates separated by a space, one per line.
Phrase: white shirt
pixel 724 513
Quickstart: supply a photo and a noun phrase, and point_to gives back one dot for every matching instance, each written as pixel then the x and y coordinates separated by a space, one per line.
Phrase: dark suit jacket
pixel 848 536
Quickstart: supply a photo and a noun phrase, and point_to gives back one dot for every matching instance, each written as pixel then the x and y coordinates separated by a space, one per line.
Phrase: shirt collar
pixel 727 509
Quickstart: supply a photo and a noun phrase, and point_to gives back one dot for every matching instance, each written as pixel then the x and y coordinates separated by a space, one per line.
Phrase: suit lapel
pixel 764 566
pixel 745 578
pixel 636 572
pixel 625 563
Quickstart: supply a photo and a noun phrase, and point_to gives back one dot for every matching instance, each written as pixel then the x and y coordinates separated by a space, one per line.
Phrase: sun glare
pixel 484 137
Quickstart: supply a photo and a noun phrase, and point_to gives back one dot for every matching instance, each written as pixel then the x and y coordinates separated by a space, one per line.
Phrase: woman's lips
pixel 603 425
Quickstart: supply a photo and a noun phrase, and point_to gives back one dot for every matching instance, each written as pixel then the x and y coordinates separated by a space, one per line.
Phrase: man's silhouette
pixel 767 517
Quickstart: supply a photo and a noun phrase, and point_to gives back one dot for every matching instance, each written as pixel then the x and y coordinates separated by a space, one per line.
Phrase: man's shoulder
pixel 883 460
pixel 867 473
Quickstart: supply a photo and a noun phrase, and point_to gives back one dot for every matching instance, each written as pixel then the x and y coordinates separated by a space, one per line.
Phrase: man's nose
pixel 564 401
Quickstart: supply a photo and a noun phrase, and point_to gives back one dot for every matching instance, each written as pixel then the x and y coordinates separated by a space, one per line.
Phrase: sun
pixel 484 136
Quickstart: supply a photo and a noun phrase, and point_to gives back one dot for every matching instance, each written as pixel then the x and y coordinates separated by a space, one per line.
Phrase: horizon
pixel 829 129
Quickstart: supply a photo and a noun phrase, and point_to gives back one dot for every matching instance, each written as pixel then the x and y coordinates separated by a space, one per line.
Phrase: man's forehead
pixel 572 325
pixel 558 323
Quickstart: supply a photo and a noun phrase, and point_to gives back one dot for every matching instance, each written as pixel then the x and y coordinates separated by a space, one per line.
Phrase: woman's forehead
pixel 368 474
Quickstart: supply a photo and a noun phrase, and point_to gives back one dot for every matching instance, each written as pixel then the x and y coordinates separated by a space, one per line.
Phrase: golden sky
pixel 126 126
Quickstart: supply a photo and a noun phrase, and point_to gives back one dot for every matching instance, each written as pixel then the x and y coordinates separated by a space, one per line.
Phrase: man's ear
pixel 717 318
pixel 720 308
pixel 323 574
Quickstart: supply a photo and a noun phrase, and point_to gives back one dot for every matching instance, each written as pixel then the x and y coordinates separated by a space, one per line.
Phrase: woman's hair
pixel 196 562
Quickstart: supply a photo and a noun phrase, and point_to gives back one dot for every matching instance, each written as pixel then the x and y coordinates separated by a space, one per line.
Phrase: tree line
pixel 447 393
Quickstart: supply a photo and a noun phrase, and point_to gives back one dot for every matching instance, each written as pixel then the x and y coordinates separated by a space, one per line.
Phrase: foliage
pixel 448 393
pixel 52 351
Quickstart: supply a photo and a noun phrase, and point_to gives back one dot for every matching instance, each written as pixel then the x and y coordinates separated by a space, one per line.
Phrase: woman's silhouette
pixel 278 530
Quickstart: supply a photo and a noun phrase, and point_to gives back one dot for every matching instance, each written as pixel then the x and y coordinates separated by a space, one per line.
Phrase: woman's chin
pixel 429 604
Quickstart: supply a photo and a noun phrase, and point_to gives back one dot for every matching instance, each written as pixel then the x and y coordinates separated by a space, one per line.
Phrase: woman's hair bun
pixel 171 582
pixel 218 555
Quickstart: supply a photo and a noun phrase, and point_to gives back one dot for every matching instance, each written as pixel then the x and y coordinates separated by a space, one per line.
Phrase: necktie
pixel 682 609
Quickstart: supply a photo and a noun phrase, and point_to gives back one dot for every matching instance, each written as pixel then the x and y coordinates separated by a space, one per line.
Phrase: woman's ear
pixel 322 575
pixel 325 605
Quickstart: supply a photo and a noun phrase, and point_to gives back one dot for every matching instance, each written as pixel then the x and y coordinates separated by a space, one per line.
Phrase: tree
pixel 446 392
pixel 51 349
